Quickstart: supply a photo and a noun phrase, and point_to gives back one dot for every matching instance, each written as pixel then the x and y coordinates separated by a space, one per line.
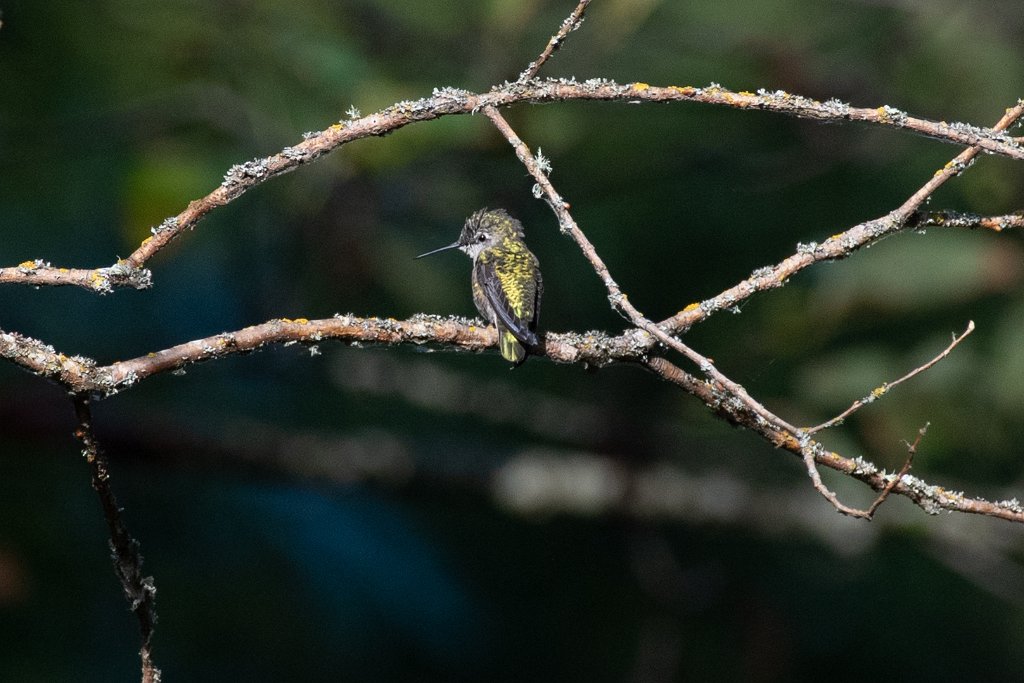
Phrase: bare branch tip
pixel 570 24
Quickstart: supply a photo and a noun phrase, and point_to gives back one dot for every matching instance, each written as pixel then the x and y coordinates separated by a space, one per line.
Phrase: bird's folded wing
pixel 517 313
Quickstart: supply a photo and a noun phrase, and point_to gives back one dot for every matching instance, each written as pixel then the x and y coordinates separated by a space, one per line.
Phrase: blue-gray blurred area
pixel 395 515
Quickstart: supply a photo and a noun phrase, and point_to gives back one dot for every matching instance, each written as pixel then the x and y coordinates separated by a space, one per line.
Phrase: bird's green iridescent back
pixel 507 286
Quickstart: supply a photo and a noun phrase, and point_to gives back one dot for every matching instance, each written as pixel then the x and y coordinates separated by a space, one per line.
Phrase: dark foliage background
pixel 393 515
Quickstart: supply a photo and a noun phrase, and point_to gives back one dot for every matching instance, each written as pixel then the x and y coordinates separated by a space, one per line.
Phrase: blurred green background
pixel 388 514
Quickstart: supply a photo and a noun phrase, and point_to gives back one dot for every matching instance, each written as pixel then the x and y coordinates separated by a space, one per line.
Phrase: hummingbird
pixel 507 285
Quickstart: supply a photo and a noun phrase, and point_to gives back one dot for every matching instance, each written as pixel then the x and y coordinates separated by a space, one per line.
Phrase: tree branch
pixel 571 23
pixel 139 590
pixel 771 422
pixel 129 272
pixel 844 244
pixel 971 221
pixel 82 375
pixel 911 452
pixel 588 349
pixel 931 499
pixel 879 392
pixel 618 299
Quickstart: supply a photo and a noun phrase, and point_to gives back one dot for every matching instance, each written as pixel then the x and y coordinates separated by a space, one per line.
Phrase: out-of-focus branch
pixel 129 272
pixel 124 550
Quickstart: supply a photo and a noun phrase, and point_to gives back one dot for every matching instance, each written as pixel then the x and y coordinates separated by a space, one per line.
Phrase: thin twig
pixel 139 590
pixel 911 452
pixel 881 391
pixel 572 22
pixel 808 454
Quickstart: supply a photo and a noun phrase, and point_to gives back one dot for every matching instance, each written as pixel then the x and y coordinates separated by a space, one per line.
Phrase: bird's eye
pixel 481 237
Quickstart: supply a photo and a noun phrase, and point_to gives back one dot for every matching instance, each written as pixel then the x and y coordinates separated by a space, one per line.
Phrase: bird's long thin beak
pixel 453 245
